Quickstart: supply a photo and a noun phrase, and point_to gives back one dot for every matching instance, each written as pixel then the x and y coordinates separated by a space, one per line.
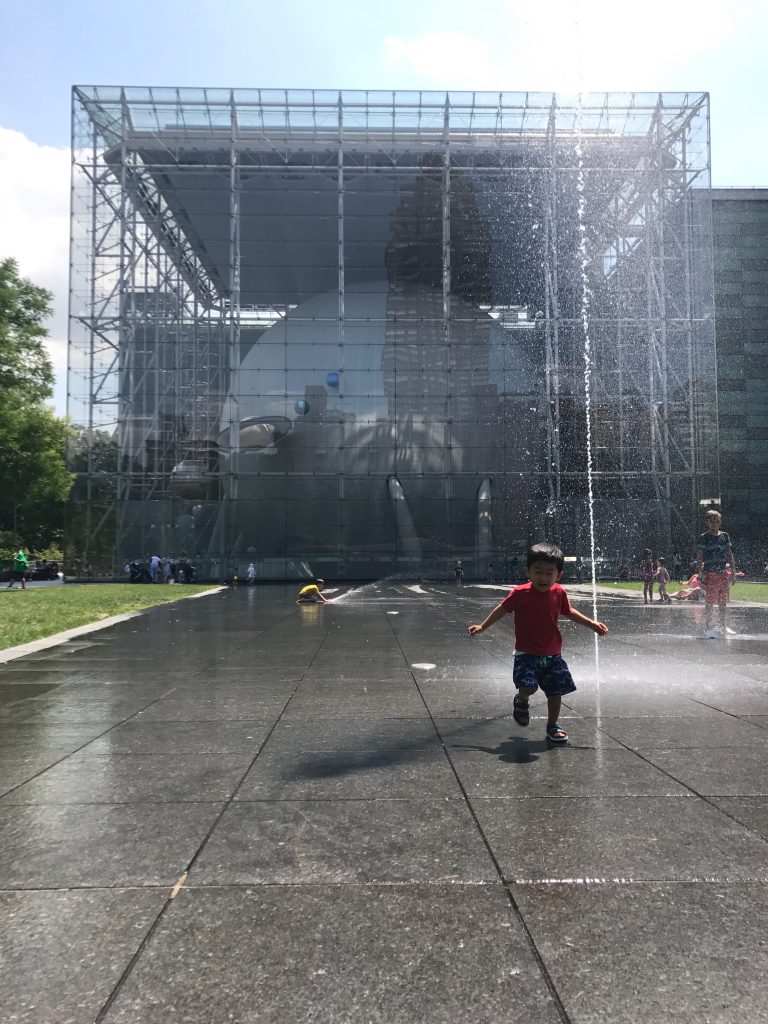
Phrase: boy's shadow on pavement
pixel 517 750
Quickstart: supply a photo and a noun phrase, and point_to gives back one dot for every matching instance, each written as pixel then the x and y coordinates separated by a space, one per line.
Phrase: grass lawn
pixel 31 614
pixel 757 592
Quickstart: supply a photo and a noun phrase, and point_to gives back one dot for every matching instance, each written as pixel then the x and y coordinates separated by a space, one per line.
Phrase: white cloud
pixel 440 55
pixel 34 229
pixel 570 45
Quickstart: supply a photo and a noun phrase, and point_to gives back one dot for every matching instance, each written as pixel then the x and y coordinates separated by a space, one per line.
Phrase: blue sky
pixel 46 46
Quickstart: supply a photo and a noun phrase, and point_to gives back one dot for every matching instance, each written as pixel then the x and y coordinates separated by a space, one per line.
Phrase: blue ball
pixel 332 379
pixel 302 407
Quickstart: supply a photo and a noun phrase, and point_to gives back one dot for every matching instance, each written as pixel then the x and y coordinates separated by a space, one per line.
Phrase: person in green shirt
pixel 20 569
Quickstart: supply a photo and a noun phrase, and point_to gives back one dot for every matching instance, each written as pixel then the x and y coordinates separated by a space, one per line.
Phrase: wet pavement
pixel 236 810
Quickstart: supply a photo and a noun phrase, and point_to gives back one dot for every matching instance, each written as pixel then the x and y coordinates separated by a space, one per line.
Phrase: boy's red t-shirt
pixel 536 615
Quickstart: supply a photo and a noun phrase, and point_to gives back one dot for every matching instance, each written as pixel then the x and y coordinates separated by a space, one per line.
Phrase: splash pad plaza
pixel 237 809
pixel 341 334
pixel 344 334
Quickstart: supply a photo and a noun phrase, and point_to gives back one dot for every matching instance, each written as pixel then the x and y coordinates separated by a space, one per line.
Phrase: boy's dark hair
pixel 545 552
pixel 319 582
pixel 661 561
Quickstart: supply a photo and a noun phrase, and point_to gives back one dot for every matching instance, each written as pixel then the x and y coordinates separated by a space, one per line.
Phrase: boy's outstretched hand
pixel 475 629
pixel 599 627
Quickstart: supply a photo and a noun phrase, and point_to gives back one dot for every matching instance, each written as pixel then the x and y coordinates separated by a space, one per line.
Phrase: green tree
pixel 34 482
pixel 24 363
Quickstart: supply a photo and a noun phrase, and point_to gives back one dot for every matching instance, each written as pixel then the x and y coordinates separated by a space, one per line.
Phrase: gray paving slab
pixel 356 704
pixel 735 703
pixel 632 839
pixel 356 675
pixel 479 704
pixel 62 953
pixel 179 708
pixel 21 684
pixel 367 733
pixel 432 954
pixel 135 778
pixel 70 710
pixel 651 953
pixel 344 841
pixel 15 770
pixel 39 670
pixel 139 737
pixel 699 731
pixel 716 772
pixel 751 811
pixel 87 845
pixel 633 705
pixel 533 767
pixel 352 774
pixel 331 685
pixel 487 734
pixel 35 740
pixel 234 690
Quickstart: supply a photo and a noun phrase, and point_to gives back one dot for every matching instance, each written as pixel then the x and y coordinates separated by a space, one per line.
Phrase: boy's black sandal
pixel 520 711
pixel 556 735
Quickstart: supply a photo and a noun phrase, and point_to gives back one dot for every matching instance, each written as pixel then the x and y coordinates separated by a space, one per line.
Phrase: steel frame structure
pixel 155 335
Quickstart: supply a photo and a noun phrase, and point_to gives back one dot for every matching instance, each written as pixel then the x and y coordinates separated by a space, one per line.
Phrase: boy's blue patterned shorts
pixel 550 672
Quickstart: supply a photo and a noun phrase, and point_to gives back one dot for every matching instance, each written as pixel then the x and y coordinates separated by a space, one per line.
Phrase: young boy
pixel 311 594
pixel 537 606
pixel 714 554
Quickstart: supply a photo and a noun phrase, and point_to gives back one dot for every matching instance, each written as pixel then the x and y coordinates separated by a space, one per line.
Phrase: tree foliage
pixel 24 363
pixel 34 482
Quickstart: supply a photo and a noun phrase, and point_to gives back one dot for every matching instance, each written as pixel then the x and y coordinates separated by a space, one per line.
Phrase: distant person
pixel 312 594
pixel 168 570
pixel 251 574
pixel 714 555
pixel 647 573
pixel 623 571
pixel 677 566
pixel 154 567
pixel 662 578
pixel 19 570
pixel 186 572
pixel 138 572
pixel 537 605
pixel 459 573
pixel 491 574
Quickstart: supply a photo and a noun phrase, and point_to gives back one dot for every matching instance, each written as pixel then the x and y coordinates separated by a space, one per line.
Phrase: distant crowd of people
pixel 161 569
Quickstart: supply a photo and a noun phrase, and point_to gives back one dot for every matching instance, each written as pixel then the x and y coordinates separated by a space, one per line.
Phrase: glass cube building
pixel 356 334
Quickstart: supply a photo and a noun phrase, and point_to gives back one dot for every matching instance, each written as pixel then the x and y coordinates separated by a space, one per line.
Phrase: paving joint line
pixel 538 958
pixel 77 750
pixel 710 800
pixel 177 888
